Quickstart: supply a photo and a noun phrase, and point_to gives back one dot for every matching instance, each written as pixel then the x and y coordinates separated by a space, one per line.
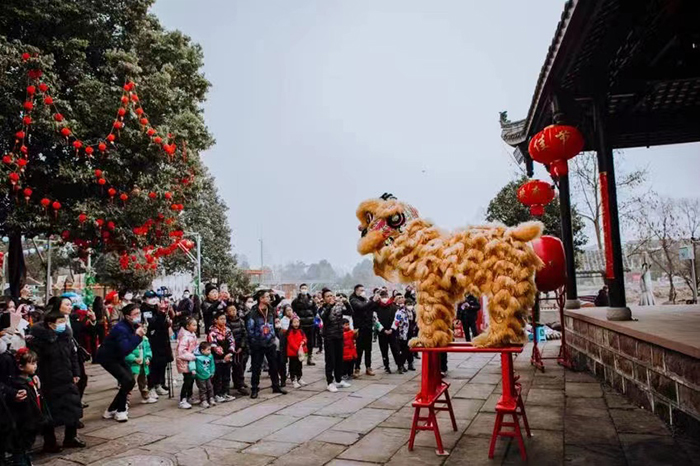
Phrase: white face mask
pixel 385 300
pixel 304 291
pixel 249 305
pixel 410 308
pixel 128 297
pixel 186 295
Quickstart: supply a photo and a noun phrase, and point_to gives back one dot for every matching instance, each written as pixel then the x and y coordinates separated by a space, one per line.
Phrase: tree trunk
pixel 671 290
pixel 17 271
pixel 596 225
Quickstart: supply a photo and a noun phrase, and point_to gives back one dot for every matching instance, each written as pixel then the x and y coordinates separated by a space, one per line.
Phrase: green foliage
pixel 507 209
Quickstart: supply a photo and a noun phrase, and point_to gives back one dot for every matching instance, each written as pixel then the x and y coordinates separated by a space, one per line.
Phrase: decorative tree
pixel 506 208
pixel 99 108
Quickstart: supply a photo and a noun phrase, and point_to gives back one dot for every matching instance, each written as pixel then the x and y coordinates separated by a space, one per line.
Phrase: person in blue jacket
pixel 124 337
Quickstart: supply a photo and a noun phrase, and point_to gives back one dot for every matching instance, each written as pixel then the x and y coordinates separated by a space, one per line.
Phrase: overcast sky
pixel 317 105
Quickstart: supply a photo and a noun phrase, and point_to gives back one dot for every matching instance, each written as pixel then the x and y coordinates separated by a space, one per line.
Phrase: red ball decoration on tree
pixel 139 111
pixel 7 159
pixel 111 225
pixel 25 56
pixel 111 137
pixel 555 145
pixel 27 120
pixel 31 90
pixel 82 218
pixel 102 181
pixel 58 117
pixel 43 87
pixel 99 222
pixel 98 173
pixel 27 193
pixel 65 132
pixel 77 144
pixel 144 121
pixel 121 112
pixel 124 197
pixel 48 100
pixel 21 163
pixel 19 135
pixel 112 192
pixel 102 146
pixel 553 275
pixel 14 178
pixel 157 139
pixel 89 150
pixel 28 105
pixel 56 205
pixel 151 131
pixel 536 194
pixel 45 202
pixel 152 195
pixel 168 195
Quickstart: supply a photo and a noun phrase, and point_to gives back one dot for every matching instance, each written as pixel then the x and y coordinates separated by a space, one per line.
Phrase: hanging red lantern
pixel 56 205
pixel 45 202
pixel 77 144
pixel 168 195
pixel 21 163
pixel 99 222
pixel 123 197
pixel 31 90
pixel 121 112
pixel 28 105
pixel 112 192
pixel 125 100
pixel 173 207
pixel 157 139
pixel 152 195
pixel 98 173
pixel 102 147
pixel 48 100
pixel 82 218
pixel 118 124
pixel 59 118
pixel 553 275
pixel 7 159
pixel 89 150
pixel 111 137
pixel 27 194
pixel 139 111
pixel 25 56
pixel 14 178
pixel 111 225
pixel 43 87
pixel 65 132
pixel 65 235
pixel 151 131
pixel 27 120
pixel 555 145
pixel 102 182
pixel 134 97
pixel 144 121
pixel 23 149
pixel 35 74
pixel 19 135
pixel 536 194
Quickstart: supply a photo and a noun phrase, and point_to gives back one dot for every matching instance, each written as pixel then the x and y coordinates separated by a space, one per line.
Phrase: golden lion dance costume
pixel 492 260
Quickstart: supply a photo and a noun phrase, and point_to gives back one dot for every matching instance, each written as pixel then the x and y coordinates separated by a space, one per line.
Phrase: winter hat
pixel 208 288
pixel 150 294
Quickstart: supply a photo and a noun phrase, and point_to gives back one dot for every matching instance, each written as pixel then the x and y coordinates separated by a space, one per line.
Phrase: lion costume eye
pixel 395 221
pixel 369 217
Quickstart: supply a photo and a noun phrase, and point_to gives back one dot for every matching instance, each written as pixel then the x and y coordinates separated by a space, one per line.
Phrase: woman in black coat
pixel 59 372
pixel 158 334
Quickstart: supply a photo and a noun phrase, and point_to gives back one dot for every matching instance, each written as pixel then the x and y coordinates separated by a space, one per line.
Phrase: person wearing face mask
pixel 59 372
pixel 158 333
pixel 401 327
pixel 121 341
pixel 364 320
pixel 305 308
pixel 184 309
pixel 386 311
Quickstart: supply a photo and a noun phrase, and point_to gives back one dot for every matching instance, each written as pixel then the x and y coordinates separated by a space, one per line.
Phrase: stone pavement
pixel 574 421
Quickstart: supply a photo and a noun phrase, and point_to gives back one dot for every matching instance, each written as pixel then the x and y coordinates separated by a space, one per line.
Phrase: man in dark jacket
pixel 211 305
pixel 124 337
pixel 363 318
pixel 261 339
pixel 386 311
pixel 467 312
pixel 304 307
pixel 59 372
pixel 240 357
pixel 332 313
pixel 158 334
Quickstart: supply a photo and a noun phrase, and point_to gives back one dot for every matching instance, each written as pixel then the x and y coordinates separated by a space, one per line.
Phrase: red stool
pixel 510 404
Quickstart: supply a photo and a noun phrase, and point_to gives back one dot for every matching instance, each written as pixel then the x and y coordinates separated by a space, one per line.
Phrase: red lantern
pixel 143 121
pixel 555 145
pixel 102 146
pixel 58 117
pixel 139 111
pixel 123 197
pixel 28 105
pixel 27 120
pixel 31 90
pixel 48 100
pixel 118 124
pixel 151 131
pixel 19 135
pixel 22 163
pixel 65 235
pixel 536 194
pixel 157 139
pixel 112 192
pixel 7 159
pixel 14 178
pixel 89 150
pixel 111 225
pixel 43 87
pixel 65 132
pixel 45 202
pixel 98 173
pixel 77 144
pixel 102 181
pixel 82 218
pixel 174 207
pixel 168 196
pixel 125 100
pixel 35 74
pixel 56 205
pixel 553 275
pixel 110 137
pixel 152 195
pixel 23 149
pixel 27 194
pixel 121 112
pixel 99 222
pixel 25 56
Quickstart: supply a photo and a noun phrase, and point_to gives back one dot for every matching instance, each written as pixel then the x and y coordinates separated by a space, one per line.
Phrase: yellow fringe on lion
pixel 491 260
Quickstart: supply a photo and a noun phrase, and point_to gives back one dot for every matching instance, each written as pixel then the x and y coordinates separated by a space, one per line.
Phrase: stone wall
pixel 657 379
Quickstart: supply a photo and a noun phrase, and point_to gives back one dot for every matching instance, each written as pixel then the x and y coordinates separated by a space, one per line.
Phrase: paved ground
pixel 574 421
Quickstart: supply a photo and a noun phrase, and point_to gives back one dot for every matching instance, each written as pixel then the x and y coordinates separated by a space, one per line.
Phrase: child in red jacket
pixel 296 351
pixel 349 349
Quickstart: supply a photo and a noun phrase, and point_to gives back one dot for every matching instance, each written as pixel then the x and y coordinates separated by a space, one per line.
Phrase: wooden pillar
pixel 567 237
pixel 614 270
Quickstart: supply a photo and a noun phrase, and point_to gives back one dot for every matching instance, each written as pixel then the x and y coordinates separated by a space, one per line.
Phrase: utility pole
pixel 198 237
pixel 47 294
pixel 262 268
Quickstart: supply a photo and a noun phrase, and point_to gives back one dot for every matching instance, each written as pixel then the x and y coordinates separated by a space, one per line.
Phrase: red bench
pixel 435 397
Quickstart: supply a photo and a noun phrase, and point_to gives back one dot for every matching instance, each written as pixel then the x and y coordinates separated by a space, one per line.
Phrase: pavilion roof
pixel 642 57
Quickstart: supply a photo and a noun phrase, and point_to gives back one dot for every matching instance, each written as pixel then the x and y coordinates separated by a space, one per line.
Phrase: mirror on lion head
pixel 381 220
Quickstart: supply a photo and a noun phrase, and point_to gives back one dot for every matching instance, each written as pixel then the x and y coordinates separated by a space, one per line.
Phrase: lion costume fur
pixel 492 260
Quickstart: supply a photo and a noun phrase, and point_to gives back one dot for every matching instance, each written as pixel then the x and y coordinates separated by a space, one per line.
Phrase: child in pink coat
pixel 186 346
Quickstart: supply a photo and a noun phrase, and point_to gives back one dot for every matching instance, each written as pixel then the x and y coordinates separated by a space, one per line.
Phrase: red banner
pixel 605 206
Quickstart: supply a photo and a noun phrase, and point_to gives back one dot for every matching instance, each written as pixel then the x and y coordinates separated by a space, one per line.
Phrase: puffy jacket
pixel 238 330
pixel 121 341
pixel 261 331
pixel 142 352
pixel 159 335
pixel 57 366
pixel 30 415
pixel 296 338
pixel 363 311
pixel 332 317
pixel 186 345
pixel 304 307
pixel 385 313
pixel 222 342
pixel 349 349
pixel 209 308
